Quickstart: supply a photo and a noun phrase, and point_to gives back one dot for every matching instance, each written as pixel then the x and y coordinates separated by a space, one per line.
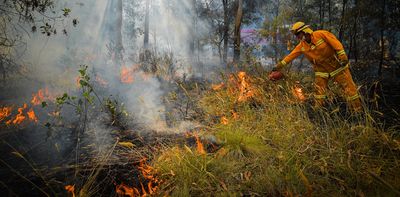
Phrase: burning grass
pixel 272 143
pixel 260 138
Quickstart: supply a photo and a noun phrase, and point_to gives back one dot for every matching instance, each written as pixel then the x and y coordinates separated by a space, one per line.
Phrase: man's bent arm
pixel 295 53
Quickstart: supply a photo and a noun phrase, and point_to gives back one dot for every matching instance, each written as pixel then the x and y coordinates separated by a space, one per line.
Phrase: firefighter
pixel 329 61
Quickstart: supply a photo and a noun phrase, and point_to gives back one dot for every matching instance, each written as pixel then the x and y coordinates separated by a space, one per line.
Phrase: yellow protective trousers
pixel 344 79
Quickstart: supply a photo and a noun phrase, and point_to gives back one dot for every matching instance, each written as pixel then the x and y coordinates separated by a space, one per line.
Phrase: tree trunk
pixel 275 41
pixel 382 41
pixel 301 8
pixel 238 23
pixel 355 45
pixel 321 13
pixel 226 31
pixel 146 26
pixel 330 13
pixel 192 30
pixel 342 20
pixel 118 53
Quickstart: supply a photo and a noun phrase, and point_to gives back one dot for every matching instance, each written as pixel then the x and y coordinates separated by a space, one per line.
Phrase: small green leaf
pixel 78 109
pixel 82 72
pixel 83 83
pixel 44 104
pixel 66 11
pixel 86 95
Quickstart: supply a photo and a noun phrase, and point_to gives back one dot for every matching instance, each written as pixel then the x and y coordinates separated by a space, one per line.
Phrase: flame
pixel 218 86
pixel 126 75
pixel 19 118
pixel 5 112
pixel 235 115
pixel 200 147
pixel 124 190
pixel 77 81
pixel 150 188
pixel 42 95
pixel 143 189
pixel 70 189
pixel 32 115
pixel 145 169
pixel 298 92
pixel 233 84
pixel 246 91
pixel 224 120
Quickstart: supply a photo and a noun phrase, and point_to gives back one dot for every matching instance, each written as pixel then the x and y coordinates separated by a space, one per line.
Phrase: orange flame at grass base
pixel 200 147
pixel 298 92
pixel 148 173
pixel 224 120
pixel 19 118
pixel 235 115
pixel 40 96
pixel 125 190
pixel 246 90
pixel 5 112
pixel 32 115
pixel 126 75
pixel 217 86
pixel 70 189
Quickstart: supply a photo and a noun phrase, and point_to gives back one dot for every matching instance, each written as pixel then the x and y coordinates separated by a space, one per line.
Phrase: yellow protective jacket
pixel 324 51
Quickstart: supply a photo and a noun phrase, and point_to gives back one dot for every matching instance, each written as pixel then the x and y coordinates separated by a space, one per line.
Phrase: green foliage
pixel 66 11
pixel 87 94
pixel 116 111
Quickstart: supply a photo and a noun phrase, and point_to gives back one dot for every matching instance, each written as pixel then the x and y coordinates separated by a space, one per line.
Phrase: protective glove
pixel 275 75
pixel 343 62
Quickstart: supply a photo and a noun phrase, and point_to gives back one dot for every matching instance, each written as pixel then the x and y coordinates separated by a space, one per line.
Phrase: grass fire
pixel 199 98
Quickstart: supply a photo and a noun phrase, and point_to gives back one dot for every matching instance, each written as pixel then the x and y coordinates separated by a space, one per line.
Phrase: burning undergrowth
pixel 270 144
pixel 82 141
pixel 217 139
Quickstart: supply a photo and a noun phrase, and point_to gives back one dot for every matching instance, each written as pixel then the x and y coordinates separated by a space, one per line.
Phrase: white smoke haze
pixel 54 60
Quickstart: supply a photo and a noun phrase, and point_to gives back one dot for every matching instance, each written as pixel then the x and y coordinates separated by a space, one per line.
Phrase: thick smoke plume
pixel 54 60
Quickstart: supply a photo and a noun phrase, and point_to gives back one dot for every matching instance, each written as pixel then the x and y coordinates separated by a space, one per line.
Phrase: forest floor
pixel 253 137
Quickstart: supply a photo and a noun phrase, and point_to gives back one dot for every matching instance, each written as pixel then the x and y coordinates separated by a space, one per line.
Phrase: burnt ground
pixel 42 170
pixel 36 160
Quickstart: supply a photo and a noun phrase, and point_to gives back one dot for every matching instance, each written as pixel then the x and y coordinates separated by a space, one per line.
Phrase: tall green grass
pixel 279 147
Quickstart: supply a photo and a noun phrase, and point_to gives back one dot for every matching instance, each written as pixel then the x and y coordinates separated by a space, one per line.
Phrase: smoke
pixel 174 28
pixel 53 62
